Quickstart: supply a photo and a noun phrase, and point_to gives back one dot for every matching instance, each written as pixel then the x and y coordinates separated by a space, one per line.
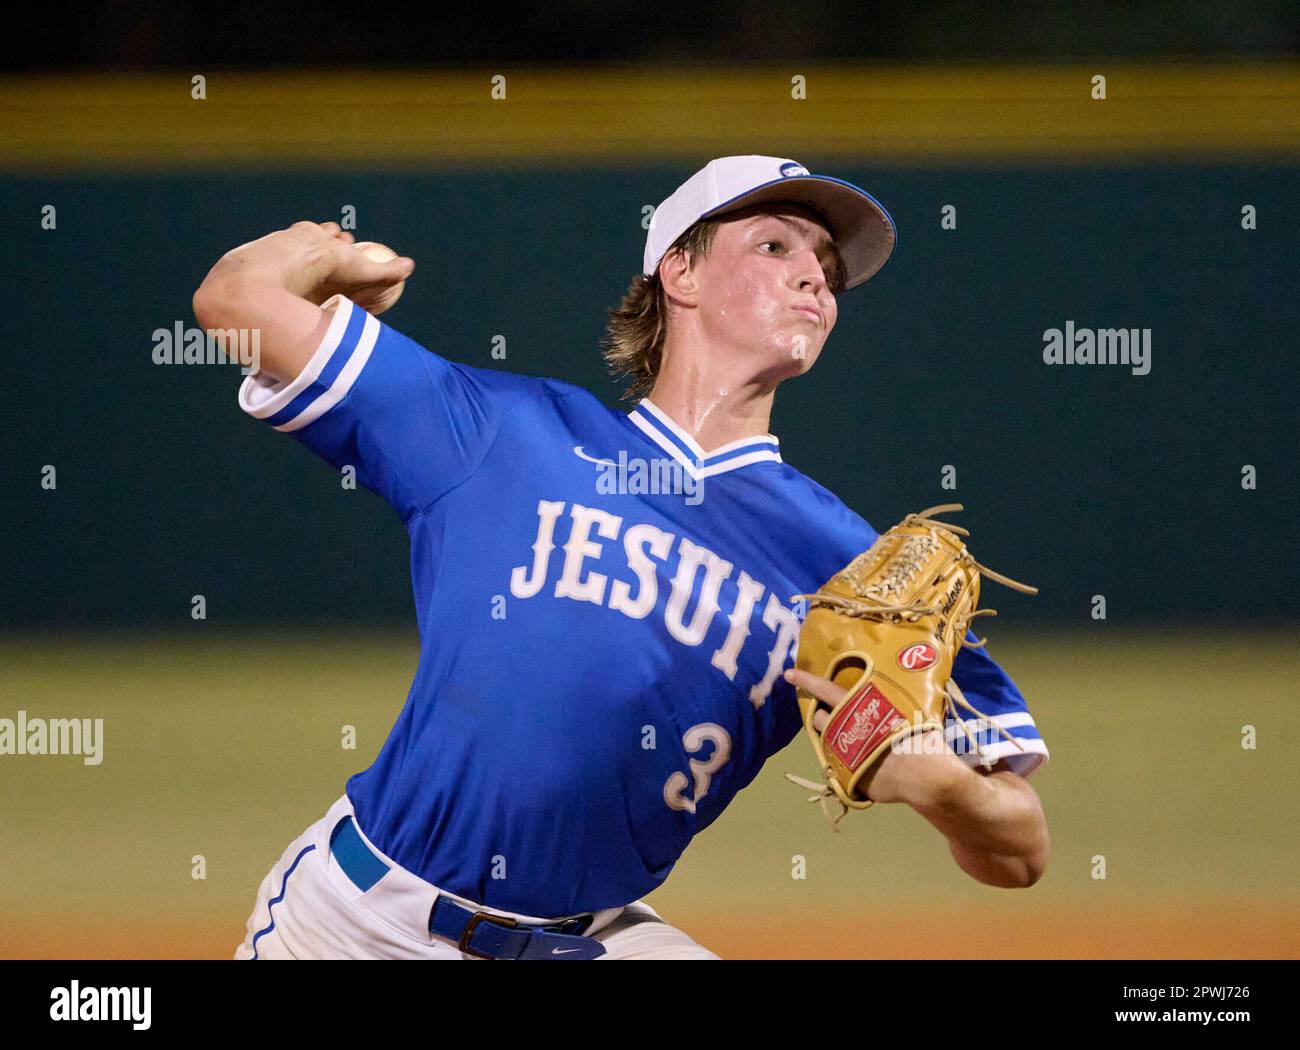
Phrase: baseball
pixel 376 303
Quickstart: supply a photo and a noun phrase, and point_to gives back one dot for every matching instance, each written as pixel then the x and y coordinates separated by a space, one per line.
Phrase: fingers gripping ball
pixel 376 302
pixel 887 629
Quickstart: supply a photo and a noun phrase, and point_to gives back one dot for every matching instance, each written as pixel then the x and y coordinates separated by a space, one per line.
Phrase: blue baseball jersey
pixel 605 612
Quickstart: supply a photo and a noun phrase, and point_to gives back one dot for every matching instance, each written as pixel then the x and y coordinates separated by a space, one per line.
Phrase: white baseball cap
pixel 864 233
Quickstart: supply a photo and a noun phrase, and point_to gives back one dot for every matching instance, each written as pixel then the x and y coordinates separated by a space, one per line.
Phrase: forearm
pixel 994 823
pixel 288 327
pixel 997 812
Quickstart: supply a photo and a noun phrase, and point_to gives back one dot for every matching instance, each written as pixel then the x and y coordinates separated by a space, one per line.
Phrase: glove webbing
pixel 910 559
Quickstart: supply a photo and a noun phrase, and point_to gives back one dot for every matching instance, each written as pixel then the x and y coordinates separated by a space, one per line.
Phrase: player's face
pixel 767 286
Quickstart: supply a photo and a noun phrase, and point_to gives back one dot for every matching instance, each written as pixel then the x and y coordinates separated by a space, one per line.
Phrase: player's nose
pixel 807 274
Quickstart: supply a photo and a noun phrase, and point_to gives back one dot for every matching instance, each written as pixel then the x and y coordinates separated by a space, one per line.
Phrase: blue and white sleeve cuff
pixel 325 380
pixel 1024 760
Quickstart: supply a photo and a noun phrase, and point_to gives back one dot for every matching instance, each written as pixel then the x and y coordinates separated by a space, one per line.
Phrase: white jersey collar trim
pixel 657 425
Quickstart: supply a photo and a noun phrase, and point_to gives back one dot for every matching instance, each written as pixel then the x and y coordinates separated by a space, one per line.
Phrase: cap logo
pixel 793 169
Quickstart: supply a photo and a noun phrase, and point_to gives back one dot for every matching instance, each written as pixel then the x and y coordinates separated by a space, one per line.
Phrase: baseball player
pixel 604 598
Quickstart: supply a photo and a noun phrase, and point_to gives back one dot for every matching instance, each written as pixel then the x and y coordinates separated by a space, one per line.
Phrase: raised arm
pixel 276 284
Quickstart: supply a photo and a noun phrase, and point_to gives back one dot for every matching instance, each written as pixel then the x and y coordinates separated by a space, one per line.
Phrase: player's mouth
pixel 810 311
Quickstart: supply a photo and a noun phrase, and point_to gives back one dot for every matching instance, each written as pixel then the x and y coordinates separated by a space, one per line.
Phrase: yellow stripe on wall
pixel 604 114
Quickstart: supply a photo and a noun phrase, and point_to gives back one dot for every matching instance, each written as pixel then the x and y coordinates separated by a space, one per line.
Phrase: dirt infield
pixel 1150 934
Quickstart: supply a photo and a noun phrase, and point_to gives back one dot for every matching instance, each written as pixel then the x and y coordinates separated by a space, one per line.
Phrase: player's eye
pixel 775 244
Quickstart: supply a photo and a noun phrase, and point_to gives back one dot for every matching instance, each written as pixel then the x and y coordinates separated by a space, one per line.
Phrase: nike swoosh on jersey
pixel 591 459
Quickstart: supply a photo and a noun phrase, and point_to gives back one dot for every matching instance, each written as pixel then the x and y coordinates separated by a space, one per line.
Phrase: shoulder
pixel 551 396
pixel 504 388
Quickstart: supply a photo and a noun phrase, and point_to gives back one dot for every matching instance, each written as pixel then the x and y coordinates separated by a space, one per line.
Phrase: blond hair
pixel 635 333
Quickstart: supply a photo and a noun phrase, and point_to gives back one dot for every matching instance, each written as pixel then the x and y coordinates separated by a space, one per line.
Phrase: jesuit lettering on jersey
pixel 641 543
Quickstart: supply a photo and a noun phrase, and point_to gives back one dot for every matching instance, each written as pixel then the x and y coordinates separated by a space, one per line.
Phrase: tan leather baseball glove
pixel 887 628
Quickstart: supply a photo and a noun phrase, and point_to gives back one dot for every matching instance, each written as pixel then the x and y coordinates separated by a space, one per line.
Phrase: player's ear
pixel 677 275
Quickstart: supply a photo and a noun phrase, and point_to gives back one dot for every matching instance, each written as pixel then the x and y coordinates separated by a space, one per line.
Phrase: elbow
pixel 1034 861
pixel 1009 873
pixel 1016 870
pixel 212 303
pixel 1034 868
pixel 1035 844
pixel 1017 865
pixel 1014 873
pixel 206 304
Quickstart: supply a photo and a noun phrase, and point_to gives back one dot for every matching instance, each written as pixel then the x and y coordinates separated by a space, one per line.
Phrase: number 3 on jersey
pixel 702 771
